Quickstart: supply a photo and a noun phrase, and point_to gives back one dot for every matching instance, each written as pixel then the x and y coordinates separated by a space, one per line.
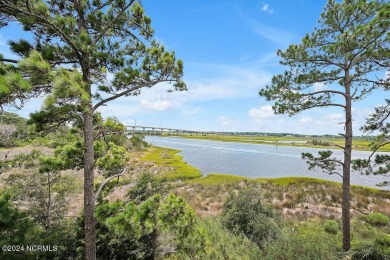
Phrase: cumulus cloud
pixel 318 86
pixel 120 109
pixel 158 105
pixel 227 82
pixel 261 113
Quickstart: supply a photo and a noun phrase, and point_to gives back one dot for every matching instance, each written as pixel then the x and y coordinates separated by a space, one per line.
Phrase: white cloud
pixel 275 35
pixel 191 111
pixel 318 86
pixel 267 9
pixel 132 122
pixel 227 82
pixel 224 121
pixel 120 109
pixel 335 116
pixel 305 119
pixel 262 113
pixel 159 105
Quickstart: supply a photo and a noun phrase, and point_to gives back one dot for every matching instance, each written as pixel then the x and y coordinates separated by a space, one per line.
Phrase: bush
pixel 304 243
pixel 146 186
pixel 383 240
pixel 222 244
pixel 377 219
pixel 370 251
pixel 244 213
pixel 331 226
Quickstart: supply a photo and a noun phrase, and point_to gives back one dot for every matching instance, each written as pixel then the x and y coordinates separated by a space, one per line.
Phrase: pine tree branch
pixel 63 35
pixel 324 92
pixel 123 93
pixel 103 31
pixel 104 183
pixel 9 60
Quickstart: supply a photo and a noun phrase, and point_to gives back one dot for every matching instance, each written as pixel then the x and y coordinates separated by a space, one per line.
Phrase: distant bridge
pixel 155 130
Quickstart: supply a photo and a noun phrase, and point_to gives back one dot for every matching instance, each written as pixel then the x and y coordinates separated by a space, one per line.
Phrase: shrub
pixel 331 226
pixel 244 213
pixel 146 186
pixel 304 243
pixel 383 240
pixel 377 219
pixel 370 251
pixel 222 244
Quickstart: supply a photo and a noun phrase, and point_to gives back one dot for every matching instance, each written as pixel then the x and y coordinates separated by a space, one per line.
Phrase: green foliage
pixel 378 121
pixel 44 194
pixel 245 213
pixel 113 130
pixel 146 186
pixel 138 143
pixel 15 229
pixel 222 244
pixel 377 250
pixel 154 228
pixel 16 87
pixel 114 161
pixel 12 129
pixel 319 142
pixel 22 160
pixel 331 226
pixel 377 219
pixel 304 242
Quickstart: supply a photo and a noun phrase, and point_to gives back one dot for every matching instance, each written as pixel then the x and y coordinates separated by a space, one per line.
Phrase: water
pixel 256 160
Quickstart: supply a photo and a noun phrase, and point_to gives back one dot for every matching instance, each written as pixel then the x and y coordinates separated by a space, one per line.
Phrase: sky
pixel 229 53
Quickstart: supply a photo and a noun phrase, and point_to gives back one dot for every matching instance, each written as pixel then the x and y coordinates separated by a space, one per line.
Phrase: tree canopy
pixel 82 43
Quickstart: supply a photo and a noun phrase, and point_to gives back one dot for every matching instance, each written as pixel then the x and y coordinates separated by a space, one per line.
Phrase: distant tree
pixel 96 38
pixel 348 53
pixel 380 164
pixel 7 135
pixel 12 128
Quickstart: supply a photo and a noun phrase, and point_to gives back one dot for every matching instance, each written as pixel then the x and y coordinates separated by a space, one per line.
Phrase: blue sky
pixel 229 53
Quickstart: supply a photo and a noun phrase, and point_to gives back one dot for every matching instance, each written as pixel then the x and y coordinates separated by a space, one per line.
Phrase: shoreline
pixel 164 156
pixel 359 144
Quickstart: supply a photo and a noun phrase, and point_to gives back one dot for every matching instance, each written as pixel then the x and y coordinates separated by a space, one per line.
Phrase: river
pixel 256 160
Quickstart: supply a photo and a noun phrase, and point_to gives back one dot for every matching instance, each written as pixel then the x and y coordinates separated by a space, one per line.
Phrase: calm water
pixel 255 160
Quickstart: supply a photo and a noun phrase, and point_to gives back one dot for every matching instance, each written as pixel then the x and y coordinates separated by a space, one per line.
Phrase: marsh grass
pixel 359 143
pixel 176 168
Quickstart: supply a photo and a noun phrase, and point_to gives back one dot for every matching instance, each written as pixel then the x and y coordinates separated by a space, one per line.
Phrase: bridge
pixel 154 130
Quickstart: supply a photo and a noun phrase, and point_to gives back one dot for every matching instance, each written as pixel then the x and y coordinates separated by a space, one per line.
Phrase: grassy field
pixel 359 144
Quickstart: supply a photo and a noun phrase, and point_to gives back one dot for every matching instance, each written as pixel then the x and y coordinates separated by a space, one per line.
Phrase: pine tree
pixel 348 54
pixel 84 41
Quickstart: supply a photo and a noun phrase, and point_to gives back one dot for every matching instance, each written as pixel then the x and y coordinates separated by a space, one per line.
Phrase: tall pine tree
pixel 84 40
pixel 348 53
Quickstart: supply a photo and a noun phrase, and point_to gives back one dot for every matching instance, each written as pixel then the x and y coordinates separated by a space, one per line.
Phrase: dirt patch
pixel 12 152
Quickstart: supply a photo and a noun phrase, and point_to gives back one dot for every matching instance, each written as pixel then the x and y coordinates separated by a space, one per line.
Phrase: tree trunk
pixel 89 199
pixel 48 222
pixel 346 228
